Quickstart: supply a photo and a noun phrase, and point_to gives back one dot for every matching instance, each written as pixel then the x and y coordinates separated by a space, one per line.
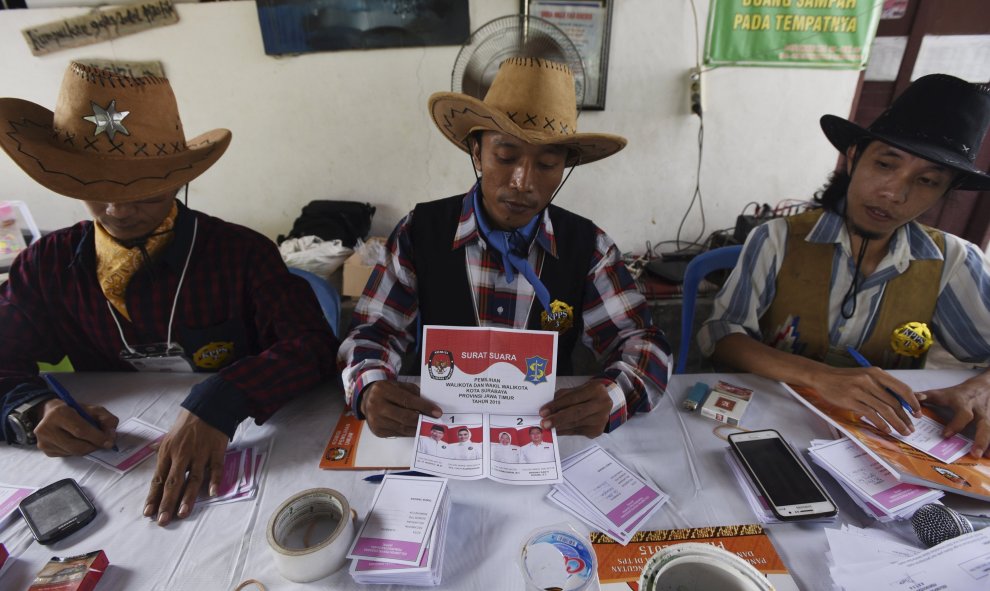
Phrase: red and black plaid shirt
pixel 236 291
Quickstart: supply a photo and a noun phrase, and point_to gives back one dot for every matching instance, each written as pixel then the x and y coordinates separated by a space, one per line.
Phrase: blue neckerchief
pixel 514 248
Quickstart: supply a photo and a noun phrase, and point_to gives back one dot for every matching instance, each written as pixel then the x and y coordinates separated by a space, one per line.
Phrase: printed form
pixel 491 383
pixel 400 521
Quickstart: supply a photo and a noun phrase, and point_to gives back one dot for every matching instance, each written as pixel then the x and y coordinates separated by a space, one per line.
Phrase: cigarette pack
pixel 76 573
pixel 727 403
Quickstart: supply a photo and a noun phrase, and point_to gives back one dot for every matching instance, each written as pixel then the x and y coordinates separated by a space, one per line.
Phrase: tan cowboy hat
pixel 112 138
pixel 531 99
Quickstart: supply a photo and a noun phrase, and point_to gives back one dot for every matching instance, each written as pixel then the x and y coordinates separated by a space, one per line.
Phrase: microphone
pixel 935 524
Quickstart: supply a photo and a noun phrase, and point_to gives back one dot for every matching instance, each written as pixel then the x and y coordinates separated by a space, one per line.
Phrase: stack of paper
pixel 757 502
pixel 242 470
pixel 402 539
pixel 10 497
pixel 605 494
pixel 874 488
pixel 871 559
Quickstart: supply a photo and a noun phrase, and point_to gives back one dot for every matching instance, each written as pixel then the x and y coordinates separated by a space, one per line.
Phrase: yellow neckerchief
pixel 116 264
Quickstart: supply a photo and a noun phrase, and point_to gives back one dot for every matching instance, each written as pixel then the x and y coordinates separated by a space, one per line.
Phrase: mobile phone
pixel 57 510
pixel 790 489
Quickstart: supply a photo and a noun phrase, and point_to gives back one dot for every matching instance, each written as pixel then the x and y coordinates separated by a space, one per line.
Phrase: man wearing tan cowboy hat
pixel 860 273
pixel 148 285
pixel 501 255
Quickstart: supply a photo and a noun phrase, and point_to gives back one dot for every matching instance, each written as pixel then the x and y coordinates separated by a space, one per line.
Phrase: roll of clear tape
pixel 304 565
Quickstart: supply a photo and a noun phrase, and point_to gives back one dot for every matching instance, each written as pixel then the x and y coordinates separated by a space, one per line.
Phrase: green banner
pixel 818 33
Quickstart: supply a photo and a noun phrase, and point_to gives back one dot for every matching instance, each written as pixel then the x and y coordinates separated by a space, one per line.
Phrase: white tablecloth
pixel 219 546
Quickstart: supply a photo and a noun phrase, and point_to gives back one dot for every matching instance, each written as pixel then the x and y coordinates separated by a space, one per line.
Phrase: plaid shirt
pixel 236 291
pixel 617 322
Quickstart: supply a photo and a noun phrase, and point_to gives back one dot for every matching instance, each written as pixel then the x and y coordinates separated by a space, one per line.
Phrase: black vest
pixel 445 292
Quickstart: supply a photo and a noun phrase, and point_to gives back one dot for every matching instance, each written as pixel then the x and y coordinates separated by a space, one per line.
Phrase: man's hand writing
pixel 190 450
pixel 62 432
pixel 863 391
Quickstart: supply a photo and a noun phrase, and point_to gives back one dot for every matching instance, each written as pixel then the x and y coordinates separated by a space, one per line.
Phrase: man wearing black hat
pixel 859 273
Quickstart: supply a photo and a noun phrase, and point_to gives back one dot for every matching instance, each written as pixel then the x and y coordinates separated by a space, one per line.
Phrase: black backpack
pixel 333 220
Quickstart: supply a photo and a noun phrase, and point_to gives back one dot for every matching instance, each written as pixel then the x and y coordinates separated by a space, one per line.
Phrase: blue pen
pixel 379 477
pixel 64 395
pixel 865 363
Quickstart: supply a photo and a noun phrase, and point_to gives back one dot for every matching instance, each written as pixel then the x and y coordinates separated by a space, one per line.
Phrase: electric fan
pixel 512 36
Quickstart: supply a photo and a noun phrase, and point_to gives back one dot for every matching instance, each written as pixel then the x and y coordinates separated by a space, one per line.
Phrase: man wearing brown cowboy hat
pixel 501 255
pixel 148 285
pixel 859 273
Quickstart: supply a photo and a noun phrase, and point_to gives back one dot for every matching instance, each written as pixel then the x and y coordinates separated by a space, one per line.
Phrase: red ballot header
pixel 474 351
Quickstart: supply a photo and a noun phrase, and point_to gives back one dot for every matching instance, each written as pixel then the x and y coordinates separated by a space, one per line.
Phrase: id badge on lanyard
pixel 158 357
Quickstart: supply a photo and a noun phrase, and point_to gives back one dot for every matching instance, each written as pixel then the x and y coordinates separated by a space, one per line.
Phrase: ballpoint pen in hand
pixel 864 362
pixel 65 397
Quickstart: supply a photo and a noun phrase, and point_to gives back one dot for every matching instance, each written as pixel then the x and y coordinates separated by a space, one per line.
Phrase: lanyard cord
pixel 175 301
pixel 853 291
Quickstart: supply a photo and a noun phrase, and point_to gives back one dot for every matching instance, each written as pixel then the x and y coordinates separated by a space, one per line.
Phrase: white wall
pixel 353 125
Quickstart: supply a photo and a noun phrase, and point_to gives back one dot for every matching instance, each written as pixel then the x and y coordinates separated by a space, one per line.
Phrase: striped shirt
pixel 961 321
pixel 617 321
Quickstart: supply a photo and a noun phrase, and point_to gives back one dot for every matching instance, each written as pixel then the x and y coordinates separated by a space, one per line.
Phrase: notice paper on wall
pixel 99 25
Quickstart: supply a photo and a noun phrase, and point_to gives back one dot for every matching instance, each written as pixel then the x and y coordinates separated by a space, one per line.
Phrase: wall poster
pixel 809 33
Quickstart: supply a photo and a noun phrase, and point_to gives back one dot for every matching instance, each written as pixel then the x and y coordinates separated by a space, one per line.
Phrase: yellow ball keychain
pixel 911 339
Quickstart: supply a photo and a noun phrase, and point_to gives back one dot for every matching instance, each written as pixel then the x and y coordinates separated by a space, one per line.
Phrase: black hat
pixel 938 117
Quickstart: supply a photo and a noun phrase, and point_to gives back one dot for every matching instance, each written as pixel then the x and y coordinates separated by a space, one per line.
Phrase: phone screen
pixel 783 479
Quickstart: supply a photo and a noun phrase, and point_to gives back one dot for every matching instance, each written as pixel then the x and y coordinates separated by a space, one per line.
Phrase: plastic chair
pixel 699 268
pixel 325 293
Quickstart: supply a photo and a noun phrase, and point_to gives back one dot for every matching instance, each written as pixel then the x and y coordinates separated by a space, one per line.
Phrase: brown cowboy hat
pixel 940 118
pixel 531 99
pixel 112 138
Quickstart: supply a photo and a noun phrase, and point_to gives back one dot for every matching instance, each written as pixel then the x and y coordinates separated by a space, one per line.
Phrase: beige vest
pixel 802 299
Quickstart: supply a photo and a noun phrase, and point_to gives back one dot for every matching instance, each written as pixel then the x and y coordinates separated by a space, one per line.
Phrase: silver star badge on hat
pixel 108 120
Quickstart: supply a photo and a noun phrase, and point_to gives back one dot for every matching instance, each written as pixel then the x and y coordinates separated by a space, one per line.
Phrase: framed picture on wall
pixel 302 26
pixel 588 23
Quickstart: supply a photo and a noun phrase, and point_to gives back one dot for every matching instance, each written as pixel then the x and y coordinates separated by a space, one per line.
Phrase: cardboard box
pixel 356 273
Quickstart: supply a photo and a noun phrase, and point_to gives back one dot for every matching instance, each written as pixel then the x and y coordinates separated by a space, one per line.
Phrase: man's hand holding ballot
pixel 392 408
pixel 500 255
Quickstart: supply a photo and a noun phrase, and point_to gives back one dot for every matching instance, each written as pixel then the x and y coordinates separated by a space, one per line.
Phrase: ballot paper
pixel 927 438
pixel 513 449
pixel 757 502
pixel 959 563
pixel 874 488
pixel 242 471
pixel 10 497
pixel 427 573
pixel 481 370
pixel 605 494
pixel 401 520
pixel 136 442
